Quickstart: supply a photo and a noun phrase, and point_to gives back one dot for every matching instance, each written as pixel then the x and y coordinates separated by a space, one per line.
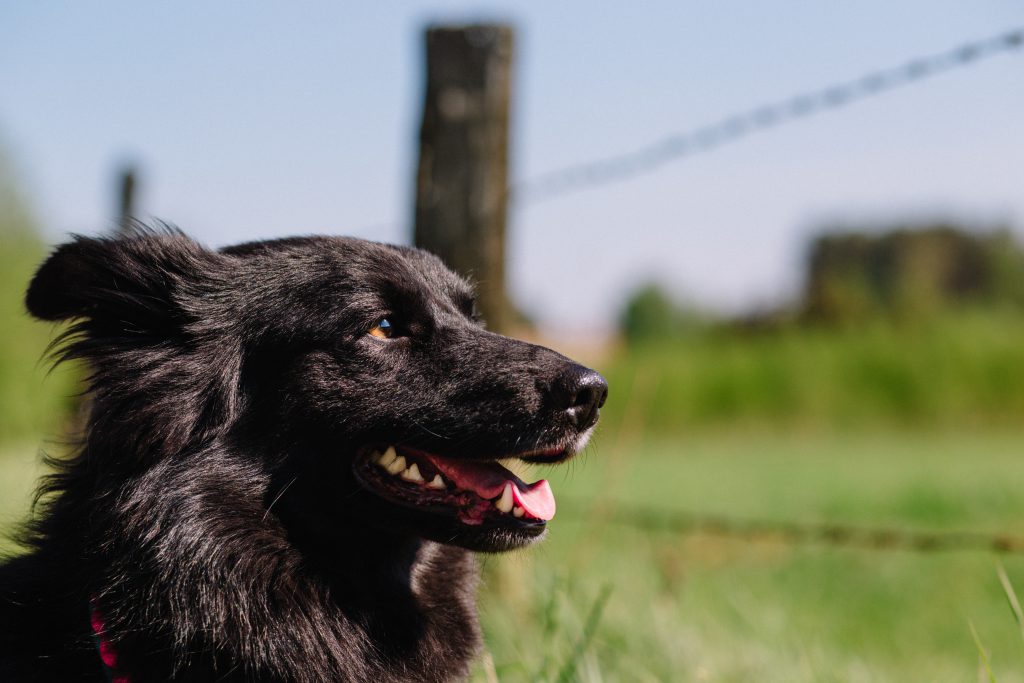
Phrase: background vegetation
pixel 963 368
pixel 32 401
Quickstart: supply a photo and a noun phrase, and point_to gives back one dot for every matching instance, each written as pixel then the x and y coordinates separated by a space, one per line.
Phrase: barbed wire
pixel 582 176
pixel 799 533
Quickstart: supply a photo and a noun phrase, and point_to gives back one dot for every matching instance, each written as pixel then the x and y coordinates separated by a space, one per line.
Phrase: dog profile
pixel 289 458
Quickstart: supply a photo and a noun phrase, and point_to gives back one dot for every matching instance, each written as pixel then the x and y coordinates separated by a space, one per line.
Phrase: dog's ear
pixel 136 282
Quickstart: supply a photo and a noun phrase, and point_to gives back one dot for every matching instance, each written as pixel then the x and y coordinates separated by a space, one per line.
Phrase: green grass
pixel 700 607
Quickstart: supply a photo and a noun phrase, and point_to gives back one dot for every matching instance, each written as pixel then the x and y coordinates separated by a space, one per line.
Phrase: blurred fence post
pixel 461 183
pixel 126 199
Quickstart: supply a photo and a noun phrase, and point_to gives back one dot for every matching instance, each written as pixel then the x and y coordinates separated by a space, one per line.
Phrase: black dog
pixel 291 446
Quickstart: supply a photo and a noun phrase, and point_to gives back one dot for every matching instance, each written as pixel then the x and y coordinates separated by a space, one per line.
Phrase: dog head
pixel 354 375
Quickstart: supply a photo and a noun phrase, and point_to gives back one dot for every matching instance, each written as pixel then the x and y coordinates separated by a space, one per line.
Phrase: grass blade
pixel 982 654
pixel 589 627
pixel 489 671
pixel 1011 597
pixel 549 621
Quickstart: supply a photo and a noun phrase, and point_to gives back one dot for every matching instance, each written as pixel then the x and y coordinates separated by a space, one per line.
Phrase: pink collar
pixel 106 649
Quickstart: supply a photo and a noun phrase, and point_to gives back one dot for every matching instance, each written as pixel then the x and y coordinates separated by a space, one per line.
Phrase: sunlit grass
pixel 700 607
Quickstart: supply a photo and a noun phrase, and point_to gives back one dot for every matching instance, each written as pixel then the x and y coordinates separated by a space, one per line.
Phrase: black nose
pixel 581 392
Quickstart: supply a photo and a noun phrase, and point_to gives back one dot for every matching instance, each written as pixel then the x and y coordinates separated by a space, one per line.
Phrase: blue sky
pixel 254 120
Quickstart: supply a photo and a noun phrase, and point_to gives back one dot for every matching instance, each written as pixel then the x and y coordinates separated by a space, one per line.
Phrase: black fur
pixel 211 512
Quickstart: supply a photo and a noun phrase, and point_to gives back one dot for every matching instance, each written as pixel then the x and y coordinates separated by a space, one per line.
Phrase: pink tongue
pixel 488 479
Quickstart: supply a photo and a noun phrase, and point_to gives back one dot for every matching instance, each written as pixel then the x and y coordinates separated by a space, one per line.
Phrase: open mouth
pixel 476 492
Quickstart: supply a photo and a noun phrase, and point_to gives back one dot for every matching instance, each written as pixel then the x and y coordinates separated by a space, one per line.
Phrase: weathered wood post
pixel 126 199
pixel 462 180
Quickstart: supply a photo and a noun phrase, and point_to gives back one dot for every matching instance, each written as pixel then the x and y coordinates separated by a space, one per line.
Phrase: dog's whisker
pixel 428 431
pixel 280 493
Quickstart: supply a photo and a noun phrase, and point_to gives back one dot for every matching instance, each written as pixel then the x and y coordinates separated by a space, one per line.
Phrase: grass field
pixel 705 608
pixel 700 607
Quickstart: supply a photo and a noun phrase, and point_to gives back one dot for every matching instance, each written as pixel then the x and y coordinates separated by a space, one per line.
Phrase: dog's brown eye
pixel 382 329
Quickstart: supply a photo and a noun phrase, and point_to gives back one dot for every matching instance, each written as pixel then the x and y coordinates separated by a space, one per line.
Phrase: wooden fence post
pixel 126 199
pixel 462 179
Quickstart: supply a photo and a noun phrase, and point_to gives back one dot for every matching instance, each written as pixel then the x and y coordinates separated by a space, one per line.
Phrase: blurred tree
pixel 651 314
pixel 910 272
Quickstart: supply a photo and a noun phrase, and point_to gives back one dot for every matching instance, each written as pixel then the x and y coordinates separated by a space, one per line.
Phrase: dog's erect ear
pixel 137 281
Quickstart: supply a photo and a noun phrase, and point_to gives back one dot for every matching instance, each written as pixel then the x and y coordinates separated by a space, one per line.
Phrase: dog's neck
pixel 206 563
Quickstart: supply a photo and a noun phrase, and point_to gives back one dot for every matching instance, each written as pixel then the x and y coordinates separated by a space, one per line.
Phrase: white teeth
pixel 504 504
pixel 397 465
pixel 387 457
pixel 518 511
pixel 413 473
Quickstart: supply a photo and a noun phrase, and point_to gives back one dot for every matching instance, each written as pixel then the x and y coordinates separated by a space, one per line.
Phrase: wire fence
pixel 579 177
pixel 798 533
pixel 619 168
